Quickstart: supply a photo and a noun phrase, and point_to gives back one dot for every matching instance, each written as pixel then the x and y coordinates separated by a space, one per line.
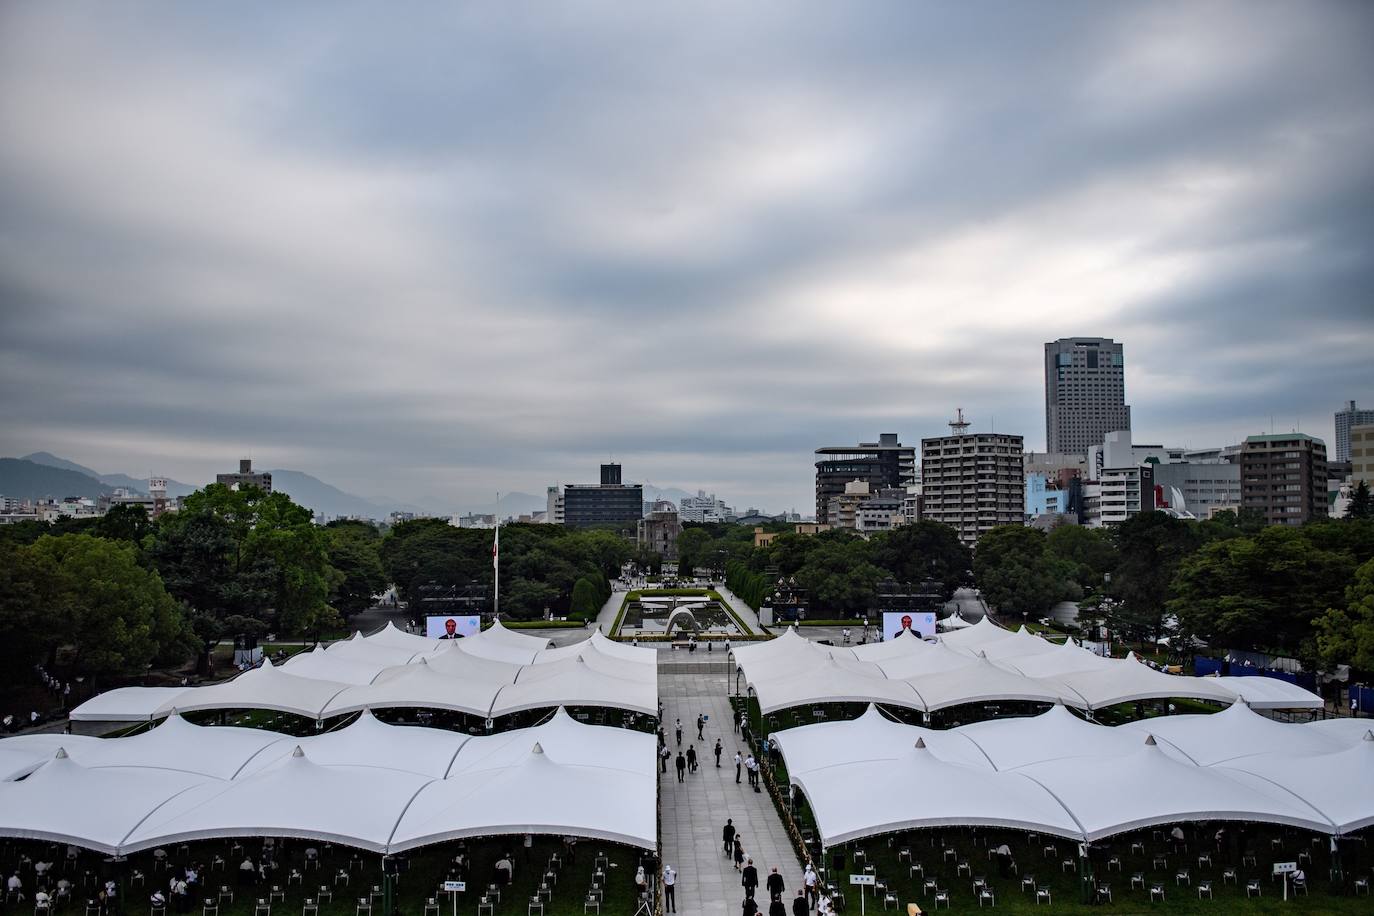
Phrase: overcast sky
pixel 430 251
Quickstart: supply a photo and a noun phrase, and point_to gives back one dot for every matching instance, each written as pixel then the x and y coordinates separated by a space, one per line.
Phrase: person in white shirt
pixel 669 889
pixel 15 886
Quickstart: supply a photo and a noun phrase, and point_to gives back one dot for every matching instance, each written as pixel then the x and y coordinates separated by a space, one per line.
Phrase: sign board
pixel 452 626
pixel 452 886
pixel 1285 868
pixel 863 879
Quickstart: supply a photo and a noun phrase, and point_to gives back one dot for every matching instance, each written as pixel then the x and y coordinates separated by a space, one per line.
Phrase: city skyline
pixel 433 256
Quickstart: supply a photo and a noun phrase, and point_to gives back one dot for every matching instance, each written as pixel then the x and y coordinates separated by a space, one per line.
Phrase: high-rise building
pixel 607 503
pixel 246 478
pixel 973 482
pixel 553 506
pixel 1346 417
pixel 1362 454
pixel 883 464
pixel 1283 476
pixel 1085 393
pixel 704 508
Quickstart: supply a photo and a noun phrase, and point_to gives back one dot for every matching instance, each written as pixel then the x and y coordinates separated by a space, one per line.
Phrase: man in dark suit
pixel 800 906
pixel 774 883
pixel 750 878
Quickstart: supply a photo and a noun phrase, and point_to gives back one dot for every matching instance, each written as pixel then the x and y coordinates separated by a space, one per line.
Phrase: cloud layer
pixel 438 250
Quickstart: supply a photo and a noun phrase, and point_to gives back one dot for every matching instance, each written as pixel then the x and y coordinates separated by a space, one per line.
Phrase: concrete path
pixel 695 811
pixel 744 611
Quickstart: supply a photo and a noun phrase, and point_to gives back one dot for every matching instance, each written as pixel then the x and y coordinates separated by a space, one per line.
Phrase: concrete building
pixel 885 463
pixel 1085 393
pixel 659 529
pixel 1362 454
pixel 553 510
pixel 246 478
pixel 1206 488
pixel 1283 476
pixel 607 503
pixel 1347 418
pixel 973 482
pixel 704 508
pixel 1118 450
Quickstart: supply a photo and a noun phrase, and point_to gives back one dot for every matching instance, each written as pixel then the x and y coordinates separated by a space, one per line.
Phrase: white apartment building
pixel 703 508
pixel 553 510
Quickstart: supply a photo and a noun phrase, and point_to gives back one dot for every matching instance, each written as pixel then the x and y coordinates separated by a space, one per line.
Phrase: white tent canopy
pixel 1020 643
pixel 540 794
pixel 454 662
pixel 323 665
pixel 1052 735
pixel 367 742
pixel 1064 659
pixel 831 682
pixel 358 648
pixel 496 650
pixel 1233 733
pixel 903 644
pixel 1348 731
pixel 1339 785
pixel 872 736
pixel 984 682
pixel 579 684
pixel 127 704
pixel 23 754
pixel 417 685
pixel 293 797
pixel 609 648
pixel 983 633
pixel 1271 693
pixel 926 660
pixel 571 741
pixel 1149 787
pixel 266 687
pixel 390 636
pixel 176 744
pixel 65 802
pixel 917 790
pixel 1127 680
pixel 595 659
pixel 951 623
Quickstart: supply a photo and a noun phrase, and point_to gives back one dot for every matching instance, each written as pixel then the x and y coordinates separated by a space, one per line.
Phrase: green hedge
pixel 751 587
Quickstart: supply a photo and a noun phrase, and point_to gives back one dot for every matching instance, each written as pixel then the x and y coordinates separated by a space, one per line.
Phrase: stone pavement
pixel 695 811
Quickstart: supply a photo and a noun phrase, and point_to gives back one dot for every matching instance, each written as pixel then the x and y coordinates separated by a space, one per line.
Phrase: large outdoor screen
pixel 452 626
pixel 920 623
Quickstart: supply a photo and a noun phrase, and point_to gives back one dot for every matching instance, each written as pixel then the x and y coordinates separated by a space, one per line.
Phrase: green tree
pixel 1361 506
pixel 354 552
pixel 1016 572
pixel 30 589
pixel 693 550
pixel 124 522
pixel 1089 553
pixel 840 577
pixel 923 550
pixel 111 615
pixel 1345 635
pixel 1151 546
pixel 585 604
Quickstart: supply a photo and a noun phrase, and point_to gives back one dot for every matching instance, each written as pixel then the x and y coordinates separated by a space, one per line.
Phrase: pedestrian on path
pixel 736 720
pixel 669 889
pixel 681 766
pixel 750 764
pixel 701 724
pixel 749 878
pixel 809 881
pixel 774 884
pixel 679 733
pixel 750 908
pixel 739 762
pixel 739 852
pixel 727 835
pixel 800 906
pixel 718 749
pixel 663 755
pixel 777 907
pixel 692 757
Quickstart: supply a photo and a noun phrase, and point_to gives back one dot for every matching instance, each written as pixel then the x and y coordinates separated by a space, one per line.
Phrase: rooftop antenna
pixel 958 424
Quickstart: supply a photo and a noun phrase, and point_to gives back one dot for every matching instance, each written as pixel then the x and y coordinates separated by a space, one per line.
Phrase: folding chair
pixel 1043 893
pixel 263 908
pixel 1104 892
pixel 591 904
pixel 310 907
pixel 1157 890
pixel 211 907
pixel 941 896
pixel 325 894
pixel 226 893
pixel 536 903
pixel 986 894
pixel 275 894
pixel 1253 888
pixel 364 907
pixel 1204 887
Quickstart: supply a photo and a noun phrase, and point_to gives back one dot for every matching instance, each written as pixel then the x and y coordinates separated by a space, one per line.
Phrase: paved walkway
pixel 695 811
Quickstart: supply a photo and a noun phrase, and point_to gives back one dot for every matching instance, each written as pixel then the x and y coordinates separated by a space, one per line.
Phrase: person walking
pixel 736 720
pixel 669 889
pixel 739 852
pixel 692 757
pixel 701 724
pixel 739 762
pixel 777 907
pixel 749 878
pixel 751 765
pixel 800 905
pixel 749 907
pixel 679 732
pixel 718 750
pixel 663 755
pixel 774 884
pixel 727 836
pixel 810 883
pixel 681 766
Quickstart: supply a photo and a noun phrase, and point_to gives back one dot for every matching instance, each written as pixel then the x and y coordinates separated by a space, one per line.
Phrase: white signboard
pixel 453 886
pixel 863 879
pixel 920 623
pixel 1285 868
pixel 452 626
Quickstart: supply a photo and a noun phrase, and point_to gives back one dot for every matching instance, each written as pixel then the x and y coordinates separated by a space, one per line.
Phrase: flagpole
pixel 496 564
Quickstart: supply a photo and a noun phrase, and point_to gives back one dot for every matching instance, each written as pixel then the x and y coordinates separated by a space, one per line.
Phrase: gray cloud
pixel 437 251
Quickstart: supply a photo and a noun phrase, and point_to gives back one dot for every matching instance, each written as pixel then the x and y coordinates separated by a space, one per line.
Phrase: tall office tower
pixel 1346 418
pixel 607 503
pixel 973 482
pixel 1085 393
pixel 882 464
pixel 1283 477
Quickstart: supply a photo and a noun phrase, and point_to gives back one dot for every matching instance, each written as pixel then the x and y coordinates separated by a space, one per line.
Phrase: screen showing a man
pixel 906 626
pixel 920 624
pixel 452 626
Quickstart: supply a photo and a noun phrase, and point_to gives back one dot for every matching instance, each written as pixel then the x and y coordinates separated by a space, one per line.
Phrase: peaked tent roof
pixel 394 638
pixel 607 647
pixel 951 623
pixel 1271 693
pixel 175 744
pixel 496 650
pixel 1339 785
pixel 454 662
pixel 1127 680
pixel 368 742
pixel 127 704
pixel 500 633
pixel 927 660
pixel 787 642
pixel 329 666
pixel 1063 659
pixel 572 742
pixel 902 794
pixel 64 802
pixel 1052 735
pixel 595 659
pixel 417 685
pixel 1021 643
pixel 579 685
pixel 294 797
pixel 1235 732
pixel 357 648
pixel 982 633
pixel 265 687
pixel 904 643
pixel 1149 787
pixel 872 736
pixel 831 682
pixel 538 795
pixel 1349 731
pixel 984 682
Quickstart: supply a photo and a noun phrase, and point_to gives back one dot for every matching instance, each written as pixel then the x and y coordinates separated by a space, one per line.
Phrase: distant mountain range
pixel 111 481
